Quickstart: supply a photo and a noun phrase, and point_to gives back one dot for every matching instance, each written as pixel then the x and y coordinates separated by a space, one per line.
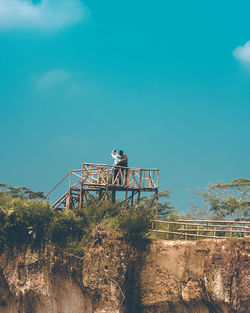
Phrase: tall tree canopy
pixel 228 200
pixel 20 192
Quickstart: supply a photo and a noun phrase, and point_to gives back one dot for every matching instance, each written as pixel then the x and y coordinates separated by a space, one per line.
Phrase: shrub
pixel 68 226
pixel 96 213
pixel 23 221
pixel 134 224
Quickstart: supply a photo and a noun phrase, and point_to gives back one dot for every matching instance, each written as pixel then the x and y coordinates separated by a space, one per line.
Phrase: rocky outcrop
pixel 196 276
pixel 39 282
pixel 171 276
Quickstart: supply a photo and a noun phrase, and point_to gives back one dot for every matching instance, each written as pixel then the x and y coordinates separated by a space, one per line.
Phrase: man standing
pixel 123 159
pixel 124 163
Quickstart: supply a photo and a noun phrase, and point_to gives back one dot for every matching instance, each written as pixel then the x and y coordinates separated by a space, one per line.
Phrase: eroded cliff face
pixel 171 276
pixel 196 276
pixel 33 282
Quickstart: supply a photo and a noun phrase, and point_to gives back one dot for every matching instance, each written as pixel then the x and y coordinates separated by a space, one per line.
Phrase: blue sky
pixel 167 82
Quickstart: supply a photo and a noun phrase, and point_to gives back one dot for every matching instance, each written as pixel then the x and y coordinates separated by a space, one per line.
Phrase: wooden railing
pixel 196 229
pixel 104 174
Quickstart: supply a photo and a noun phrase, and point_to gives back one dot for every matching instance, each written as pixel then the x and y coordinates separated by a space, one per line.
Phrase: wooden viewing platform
pixel 106 180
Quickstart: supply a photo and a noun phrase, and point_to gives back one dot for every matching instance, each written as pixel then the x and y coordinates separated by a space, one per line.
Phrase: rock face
pixel 32 282
pixel 196 276
pixel 171 276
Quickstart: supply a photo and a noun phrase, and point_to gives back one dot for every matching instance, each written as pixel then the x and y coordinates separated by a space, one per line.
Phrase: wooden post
pixel 197 233
pixel 127 174
pixel 140 178
pixel 139 192
pixel 81 187
pixel 139 197
pixel 245 229
pixel 126 199
pixel 132 198
pixel 153 225
pixel 69 196
pixel 186 232
pixel 156 204
pixel 102 177
pixel 107 183
pixel 98 175
pixel 100 195
pixel 86 199
pixel 80 197
pixel 113 196
pixel 157 179
pixel 149 179
pixel 91 174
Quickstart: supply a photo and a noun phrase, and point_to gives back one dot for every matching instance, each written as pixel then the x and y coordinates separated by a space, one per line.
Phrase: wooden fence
pixel 197 229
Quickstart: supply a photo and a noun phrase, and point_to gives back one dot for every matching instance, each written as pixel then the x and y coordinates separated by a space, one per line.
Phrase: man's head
pixel 121 152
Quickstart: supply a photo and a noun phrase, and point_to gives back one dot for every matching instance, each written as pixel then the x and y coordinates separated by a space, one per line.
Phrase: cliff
pixel 112 277
pixel 196 276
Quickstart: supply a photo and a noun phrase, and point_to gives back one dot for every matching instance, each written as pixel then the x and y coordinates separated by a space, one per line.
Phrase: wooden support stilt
pixel 69 195
pixel 126 199
pixel 113 196
pixel 86 199
pixel 80 197
pixel 107 183
pixel 156 204
pixel 81 189
pixel 66 202
pixel 139 197
pixel 100 195
pixel 132 198
pixel 106 195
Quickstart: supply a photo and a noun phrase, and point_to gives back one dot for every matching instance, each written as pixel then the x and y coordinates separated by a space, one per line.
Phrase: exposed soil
pixel 171 276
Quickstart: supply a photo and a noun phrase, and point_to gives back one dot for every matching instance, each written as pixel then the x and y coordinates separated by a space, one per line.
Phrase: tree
pixel 228 200
pixel 20 192
pixel 164 208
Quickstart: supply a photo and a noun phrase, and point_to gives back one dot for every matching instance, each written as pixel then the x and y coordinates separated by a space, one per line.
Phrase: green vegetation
pixel 20 192
pixel 224 201
pixel 24 221
pixel 27 222
pixel 134 224
pixel 164 207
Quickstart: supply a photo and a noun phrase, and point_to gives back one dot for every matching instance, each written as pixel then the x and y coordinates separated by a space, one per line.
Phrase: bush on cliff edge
pixel 28 222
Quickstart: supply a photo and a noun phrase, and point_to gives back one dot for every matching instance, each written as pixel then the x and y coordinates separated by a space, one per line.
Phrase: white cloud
pixel 48 15
pixel 52 79
pixel 69 83
pixel 242 53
